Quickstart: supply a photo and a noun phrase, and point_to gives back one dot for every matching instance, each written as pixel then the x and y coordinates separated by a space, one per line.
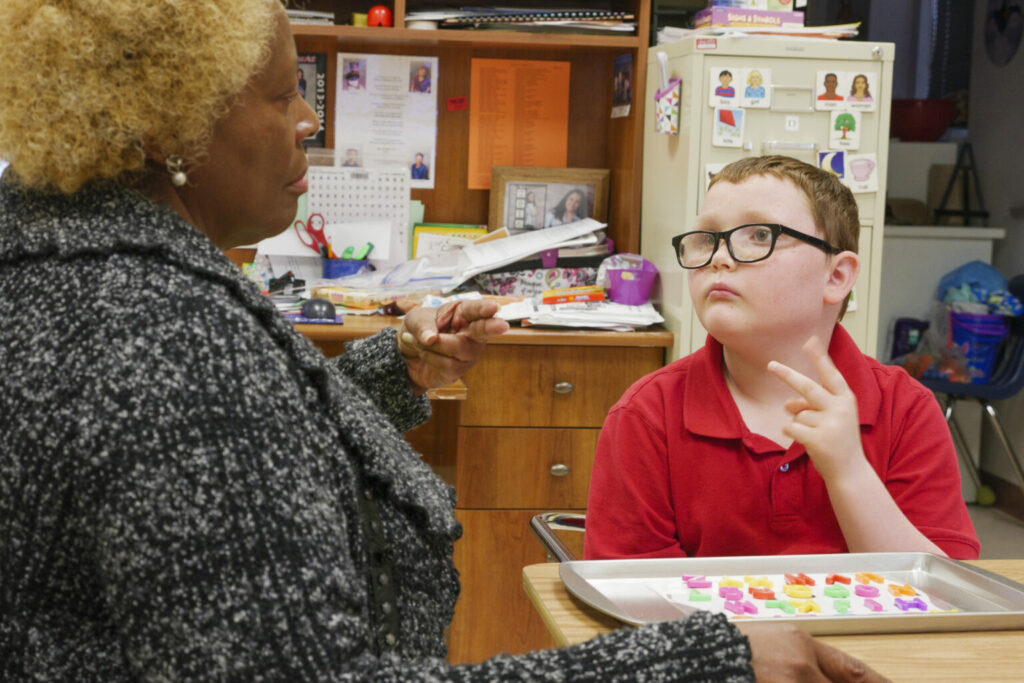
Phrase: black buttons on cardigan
pixel 381 584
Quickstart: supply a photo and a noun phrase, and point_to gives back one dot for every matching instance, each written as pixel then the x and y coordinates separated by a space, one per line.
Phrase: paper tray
pixel 623 589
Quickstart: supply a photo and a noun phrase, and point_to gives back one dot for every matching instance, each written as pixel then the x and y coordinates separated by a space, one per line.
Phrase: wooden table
pixel 951 656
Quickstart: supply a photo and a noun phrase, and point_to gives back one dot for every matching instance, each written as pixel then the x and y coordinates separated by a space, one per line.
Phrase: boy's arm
pixel 629 506
pixel 825 421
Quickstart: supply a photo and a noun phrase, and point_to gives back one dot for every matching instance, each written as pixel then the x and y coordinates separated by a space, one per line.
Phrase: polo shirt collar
pixel 709 409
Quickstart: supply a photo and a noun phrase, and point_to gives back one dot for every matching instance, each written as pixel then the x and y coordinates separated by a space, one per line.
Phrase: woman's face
pixel 249 186
pixel 860 84
pixel 755 80
pixel 572 203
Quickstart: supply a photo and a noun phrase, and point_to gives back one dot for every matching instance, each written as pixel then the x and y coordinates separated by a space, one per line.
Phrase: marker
pixel 364 251
pixel 347 253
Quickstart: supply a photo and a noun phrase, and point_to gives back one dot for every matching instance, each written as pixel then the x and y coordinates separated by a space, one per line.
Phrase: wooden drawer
pixel 541 386
pixel 513 468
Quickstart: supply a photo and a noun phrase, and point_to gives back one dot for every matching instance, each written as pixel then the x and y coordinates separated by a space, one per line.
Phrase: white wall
pixel 995 120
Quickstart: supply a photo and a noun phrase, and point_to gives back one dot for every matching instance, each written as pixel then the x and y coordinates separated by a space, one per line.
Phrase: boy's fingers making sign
pixel 825 417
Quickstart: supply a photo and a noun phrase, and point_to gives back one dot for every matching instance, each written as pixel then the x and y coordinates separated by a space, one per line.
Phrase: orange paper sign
pixel 518 116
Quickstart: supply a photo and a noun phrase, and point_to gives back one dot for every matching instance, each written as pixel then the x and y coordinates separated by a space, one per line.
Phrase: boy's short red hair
pixel 832 204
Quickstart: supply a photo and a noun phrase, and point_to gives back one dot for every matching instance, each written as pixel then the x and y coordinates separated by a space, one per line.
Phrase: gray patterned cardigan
pixel 179 472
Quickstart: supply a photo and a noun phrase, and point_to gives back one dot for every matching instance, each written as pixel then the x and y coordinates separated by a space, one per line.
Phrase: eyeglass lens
pixel 748 243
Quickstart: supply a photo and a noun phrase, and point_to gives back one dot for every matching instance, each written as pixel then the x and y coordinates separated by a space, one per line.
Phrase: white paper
pixel 499 252
pixel 285 243
pixel 386 114
pixel 357 233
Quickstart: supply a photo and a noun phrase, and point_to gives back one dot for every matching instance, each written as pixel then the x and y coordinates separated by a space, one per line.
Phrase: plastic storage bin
pixel 979 335
pixel 631 285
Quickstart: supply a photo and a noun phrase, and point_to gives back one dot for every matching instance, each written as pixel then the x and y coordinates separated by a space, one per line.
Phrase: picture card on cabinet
pixel 844 130
pixel 757 88
pixel 834 162
pixel 724 87
pixel 728 128
pixel 862 172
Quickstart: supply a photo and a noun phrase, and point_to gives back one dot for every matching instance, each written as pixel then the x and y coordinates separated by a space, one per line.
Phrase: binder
pixel 531 16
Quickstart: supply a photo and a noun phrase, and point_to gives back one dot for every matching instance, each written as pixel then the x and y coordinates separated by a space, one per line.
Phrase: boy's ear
pixel 843 270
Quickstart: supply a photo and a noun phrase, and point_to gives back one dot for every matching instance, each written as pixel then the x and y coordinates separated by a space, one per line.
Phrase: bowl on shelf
pixel 921 120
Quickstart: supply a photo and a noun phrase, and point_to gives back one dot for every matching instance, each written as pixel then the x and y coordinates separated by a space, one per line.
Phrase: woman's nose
pixel 308 124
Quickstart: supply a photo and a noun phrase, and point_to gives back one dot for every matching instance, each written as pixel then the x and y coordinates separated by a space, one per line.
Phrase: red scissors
pixel 311 232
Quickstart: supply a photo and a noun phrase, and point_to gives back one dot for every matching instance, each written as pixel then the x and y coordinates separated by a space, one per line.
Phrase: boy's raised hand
pixel 825 417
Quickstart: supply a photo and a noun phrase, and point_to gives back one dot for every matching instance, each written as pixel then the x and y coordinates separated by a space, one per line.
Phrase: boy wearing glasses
pixel 779 436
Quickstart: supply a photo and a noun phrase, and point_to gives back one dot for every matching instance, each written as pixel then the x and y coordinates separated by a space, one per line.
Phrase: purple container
pixel 979 335
pixel 631 286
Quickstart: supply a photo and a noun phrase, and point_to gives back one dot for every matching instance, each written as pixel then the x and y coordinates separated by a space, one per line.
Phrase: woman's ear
pixel 842 275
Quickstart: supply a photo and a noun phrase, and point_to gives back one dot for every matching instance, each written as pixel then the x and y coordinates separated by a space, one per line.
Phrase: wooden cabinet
pixel 595 139
pixel 521 442
pixel 527 432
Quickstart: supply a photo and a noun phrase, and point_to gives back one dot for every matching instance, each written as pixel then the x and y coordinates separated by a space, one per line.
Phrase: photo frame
pixel 434 238
pixel 532 198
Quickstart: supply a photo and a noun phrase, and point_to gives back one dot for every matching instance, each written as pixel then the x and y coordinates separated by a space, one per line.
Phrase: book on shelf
pixel 671 34
pixel 593 27
pixel 299 16
pixel 470 17
pixel 732 16
pixel 781 5
pixel 313 87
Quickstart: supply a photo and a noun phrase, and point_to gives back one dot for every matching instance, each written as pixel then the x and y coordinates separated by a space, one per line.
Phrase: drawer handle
pixel 559 470
pixel 564 387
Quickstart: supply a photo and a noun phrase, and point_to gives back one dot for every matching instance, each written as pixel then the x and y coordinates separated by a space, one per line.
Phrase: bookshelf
pixel 493 614
pixel 595 139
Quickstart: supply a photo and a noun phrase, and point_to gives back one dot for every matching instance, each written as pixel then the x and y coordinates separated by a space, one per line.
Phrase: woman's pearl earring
pixel 174 167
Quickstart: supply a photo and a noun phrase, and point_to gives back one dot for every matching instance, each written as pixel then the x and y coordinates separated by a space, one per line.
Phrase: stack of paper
pixel 671 34
pixel 448 271
pixel 298 16
pixel 604 315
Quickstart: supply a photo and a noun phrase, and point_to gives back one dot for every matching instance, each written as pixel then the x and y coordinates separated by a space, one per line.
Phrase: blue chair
pixel 1007 380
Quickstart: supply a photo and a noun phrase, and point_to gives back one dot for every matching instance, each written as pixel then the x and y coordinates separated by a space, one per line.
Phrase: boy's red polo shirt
pixel 677 473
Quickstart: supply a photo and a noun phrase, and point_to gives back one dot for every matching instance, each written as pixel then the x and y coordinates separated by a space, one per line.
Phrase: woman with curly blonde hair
pixel 189 489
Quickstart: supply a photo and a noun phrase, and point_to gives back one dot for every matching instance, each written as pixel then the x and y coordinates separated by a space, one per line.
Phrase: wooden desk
pixel 970 656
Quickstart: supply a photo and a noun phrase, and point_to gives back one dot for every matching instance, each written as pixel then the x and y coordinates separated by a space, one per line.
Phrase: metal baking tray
pixel 627 590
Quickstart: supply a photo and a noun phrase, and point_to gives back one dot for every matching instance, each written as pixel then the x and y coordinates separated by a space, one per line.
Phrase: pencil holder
pixel 666 108
pixel 334 268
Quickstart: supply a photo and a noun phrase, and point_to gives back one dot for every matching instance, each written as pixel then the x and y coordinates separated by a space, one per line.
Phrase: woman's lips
pixel 300 186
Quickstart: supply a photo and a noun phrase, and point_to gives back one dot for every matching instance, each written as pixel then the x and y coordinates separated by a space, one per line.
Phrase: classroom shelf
pixel 349 37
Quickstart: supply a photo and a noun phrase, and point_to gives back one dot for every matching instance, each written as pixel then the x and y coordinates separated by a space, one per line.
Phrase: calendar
pixel 357 195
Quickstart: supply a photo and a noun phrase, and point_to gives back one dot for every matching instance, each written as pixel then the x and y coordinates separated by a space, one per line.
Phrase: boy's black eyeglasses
pixel 747 243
